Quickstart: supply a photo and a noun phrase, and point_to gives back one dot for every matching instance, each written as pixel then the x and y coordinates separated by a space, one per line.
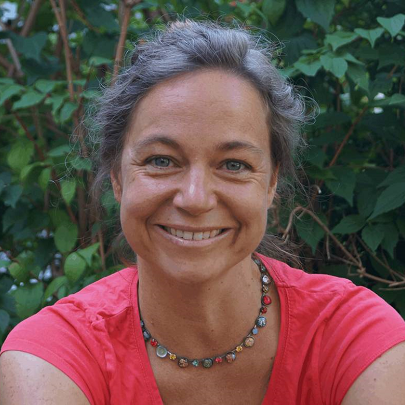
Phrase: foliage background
pixel 55 54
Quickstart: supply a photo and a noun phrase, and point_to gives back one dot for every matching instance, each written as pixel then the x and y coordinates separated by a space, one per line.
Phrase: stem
pixel 29 22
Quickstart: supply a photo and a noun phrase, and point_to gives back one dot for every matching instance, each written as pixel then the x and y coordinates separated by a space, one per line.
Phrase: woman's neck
pixel 202 319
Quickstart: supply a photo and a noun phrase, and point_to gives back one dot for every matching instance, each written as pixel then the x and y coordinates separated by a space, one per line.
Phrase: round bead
pixel 263 310
pixel 161 352
pixel 195 363
pixel 249 341
pixel 265 289
pixel 142 324
pixel 262 268
pixel 218 360
pixel 207 363
pixel 146 335
pixel 230 357
pixel 266 300
pixel 255 331
pixel 266 279
pixel 239 349
pixel 172 356
pixel 261 321
pixel 154 342
pixel 183 363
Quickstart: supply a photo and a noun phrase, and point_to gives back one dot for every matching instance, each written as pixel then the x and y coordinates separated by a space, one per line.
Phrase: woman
pixel 197 133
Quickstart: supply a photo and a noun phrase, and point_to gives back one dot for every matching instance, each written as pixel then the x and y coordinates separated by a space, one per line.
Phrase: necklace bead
pixel 230 357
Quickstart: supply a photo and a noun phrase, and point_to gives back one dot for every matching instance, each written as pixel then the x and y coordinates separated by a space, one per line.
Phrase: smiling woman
pixel 196 137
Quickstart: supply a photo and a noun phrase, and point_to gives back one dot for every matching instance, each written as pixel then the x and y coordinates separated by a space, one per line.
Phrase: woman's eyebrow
pixel 223 147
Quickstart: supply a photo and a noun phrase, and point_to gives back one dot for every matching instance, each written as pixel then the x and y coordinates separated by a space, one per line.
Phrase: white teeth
pixel 193 235
pixel 198 236
pixel 188 235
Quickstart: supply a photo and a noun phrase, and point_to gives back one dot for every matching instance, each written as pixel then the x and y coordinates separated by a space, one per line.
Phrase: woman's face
pixel 196 177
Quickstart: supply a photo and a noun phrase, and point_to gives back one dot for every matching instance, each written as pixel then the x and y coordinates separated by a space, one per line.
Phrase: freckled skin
pixel 199 111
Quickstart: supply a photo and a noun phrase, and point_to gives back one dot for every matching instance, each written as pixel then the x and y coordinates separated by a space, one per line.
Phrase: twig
pixel 29 22
pixel 82 16
pixel 61 18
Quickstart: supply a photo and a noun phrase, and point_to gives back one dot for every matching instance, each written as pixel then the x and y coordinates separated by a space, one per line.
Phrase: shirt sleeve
pixel 360 330
pixel 63 336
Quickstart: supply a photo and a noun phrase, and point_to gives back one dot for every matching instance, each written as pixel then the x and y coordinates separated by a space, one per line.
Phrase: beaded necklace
pixel 230 356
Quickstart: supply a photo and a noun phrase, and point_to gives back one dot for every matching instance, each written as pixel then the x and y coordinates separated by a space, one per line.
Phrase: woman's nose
pixel 196 193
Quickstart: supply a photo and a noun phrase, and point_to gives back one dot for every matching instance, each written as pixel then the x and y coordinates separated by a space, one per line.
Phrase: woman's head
pixel 187 48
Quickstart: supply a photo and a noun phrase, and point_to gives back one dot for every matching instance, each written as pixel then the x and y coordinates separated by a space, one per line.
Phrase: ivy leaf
pixel 370 35
pixel 88 252
pixel 67 111
pixel 10 91
pixel 54 286
pixel 373 235
pixel 396 176
pixel 350 224
pixel 4 321
pixel 274 9
pixel 66 237
pixel 20 154
pixel 68 190
pixel 319 11
pixel 344 184
pixel 391 198
pixel 309 68
pixel 29 99
pixel 28 299
pixel 393 25
pixel 339 38
pixel 336 65
pixel 74 267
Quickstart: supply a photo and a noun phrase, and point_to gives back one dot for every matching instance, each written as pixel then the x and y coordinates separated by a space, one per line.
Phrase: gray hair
pixel 189 46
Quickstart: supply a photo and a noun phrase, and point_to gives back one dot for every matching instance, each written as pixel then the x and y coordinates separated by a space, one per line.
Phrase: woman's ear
pixel 272 186
pixel 116 185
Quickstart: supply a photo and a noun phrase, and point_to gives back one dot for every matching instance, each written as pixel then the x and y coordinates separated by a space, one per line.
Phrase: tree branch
pixel 29 22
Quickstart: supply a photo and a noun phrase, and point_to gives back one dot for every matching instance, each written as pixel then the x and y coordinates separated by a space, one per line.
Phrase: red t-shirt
pixel 331 330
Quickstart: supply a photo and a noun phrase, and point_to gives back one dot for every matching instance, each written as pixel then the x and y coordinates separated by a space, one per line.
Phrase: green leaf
pixel 339 38
pixel 373 235
pixel 310 231
pixel 370 35
pixel 391 198
pixel 307 67
pixel 44 178
pixel 59 217
pixel 12 195
pixel 68 190
pixel 90 94
pixel 274 9
pixel 350 224
pixel 74 267
pixel 319 11
pixel 401 226
pixel 391 237
pixel 9 91
pixel 98 60
pixel 359 76
pixel 344 184
pixel 45 86
pixel 393 25
pixel 19 272
pixel 26 171
pixel 20 154
pixel 28 99
pixel 66 237
pixel 4 321
pixel 61 150
pixel 88 252
pixel 396 176
pixel 30 47
pixel 54 286
pixel 67 111
pixel 336 65
pixel 28 299
pixel 81 164
pixel 56 101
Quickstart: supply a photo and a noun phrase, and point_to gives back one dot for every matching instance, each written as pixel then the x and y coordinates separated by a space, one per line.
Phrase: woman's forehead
pixel 210 101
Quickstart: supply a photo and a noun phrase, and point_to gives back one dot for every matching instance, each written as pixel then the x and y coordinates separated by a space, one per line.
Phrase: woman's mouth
pixel 197 235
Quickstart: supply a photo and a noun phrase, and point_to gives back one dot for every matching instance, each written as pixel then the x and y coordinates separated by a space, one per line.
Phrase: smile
pixel 199 235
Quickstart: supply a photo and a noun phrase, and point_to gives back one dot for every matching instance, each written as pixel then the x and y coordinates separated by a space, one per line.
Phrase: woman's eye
pixel 161 161
pixel 234 166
